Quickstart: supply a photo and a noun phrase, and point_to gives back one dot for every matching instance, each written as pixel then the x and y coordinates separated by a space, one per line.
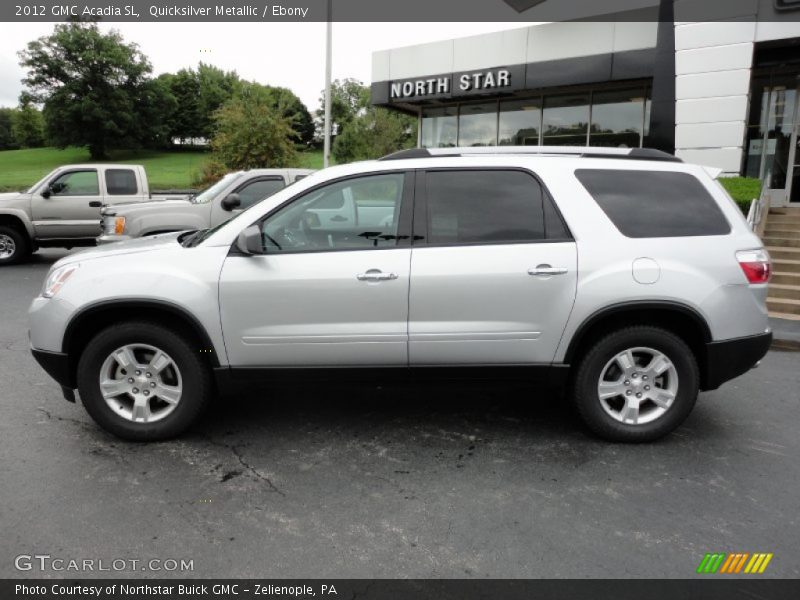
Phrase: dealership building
pixel 722 93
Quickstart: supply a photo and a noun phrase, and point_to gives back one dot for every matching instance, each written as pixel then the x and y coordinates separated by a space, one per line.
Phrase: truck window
pixel 255 191
pixel 76 183
pixel 121 182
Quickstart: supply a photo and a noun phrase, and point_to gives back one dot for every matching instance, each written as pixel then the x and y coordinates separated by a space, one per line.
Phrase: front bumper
pixel 730 358
pixel 57 365
pixel 109 239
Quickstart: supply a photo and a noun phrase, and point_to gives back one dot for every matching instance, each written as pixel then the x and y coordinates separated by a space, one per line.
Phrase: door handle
pixel 547 270
pixel 376 275
pixel 95 204
pixel 338 219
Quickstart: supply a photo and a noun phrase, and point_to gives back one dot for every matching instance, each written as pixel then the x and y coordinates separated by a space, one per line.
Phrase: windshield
pixel 211 192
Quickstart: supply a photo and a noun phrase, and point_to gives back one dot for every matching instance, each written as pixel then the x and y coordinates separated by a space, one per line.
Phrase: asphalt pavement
pixel 441 481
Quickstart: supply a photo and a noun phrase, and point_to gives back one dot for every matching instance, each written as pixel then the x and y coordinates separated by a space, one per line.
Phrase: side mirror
pixel 249 241
pixel 46 192
pixel 231 202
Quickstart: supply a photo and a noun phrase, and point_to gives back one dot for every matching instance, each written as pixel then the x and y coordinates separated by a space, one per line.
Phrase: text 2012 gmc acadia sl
pixel 625 277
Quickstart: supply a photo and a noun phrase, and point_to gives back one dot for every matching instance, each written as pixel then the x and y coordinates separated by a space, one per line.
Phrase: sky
pixel 291 55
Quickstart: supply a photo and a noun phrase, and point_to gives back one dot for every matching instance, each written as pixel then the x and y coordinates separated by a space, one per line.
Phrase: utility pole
pixel 326 150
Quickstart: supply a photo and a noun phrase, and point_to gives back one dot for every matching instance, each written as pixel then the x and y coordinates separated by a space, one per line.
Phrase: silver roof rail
pixel 577 151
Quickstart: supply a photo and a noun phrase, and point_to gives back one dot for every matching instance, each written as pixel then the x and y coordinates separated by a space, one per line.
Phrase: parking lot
pixel 446 481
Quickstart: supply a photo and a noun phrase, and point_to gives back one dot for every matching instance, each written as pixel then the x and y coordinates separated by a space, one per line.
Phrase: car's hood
pixel 10 196
pixel 126 207
pixel 145 244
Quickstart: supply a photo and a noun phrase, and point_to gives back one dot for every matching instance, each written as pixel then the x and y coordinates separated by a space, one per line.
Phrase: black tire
pixel 194 372
pixel 22 246
pixel 584 386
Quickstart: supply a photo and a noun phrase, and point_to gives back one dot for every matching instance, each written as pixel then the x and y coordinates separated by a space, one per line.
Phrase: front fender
pixel 21 216
pixel 148 224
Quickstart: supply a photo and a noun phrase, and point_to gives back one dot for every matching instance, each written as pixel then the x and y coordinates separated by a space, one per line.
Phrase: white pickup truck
pixel 63 208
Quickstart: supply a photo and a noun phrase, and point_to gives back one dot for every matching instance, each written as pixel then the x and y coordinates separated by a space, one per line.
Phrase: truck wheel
pixel 14 246
pixel 143 382
pixel 636 384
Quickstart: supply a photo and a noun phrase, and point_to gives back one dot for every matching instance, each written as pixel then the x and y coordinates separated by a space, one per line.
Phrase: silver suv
pixel 624 276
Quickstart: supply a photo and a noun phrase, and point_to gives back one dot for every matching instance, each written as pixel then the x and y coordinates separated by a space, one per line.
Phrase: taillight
pixel 755 264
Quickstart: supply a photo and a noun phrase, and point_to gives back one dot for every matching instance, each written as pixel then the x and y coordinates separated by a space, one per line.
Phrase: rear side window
pixel 121 182
pixel 474 207
pixel 649 204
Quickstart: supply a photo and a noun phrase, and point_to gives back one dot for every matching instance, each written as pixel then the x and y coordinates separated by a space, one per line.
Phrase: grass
pixel 742 189
pixel 20 169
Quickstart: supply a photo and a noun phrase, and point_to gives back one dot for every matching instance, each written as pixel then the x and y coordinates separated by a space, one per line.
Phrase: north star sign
pixel 456 84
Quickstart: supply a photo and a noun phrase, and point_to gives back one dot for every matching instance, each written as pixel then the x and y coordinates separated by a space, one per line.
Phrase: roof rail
pixel 577 151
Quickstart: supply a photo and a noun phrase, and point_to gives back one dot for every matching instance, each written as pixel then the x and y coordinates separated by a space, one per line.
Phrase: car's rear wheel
pixel 636 384
pixel 14 246
pixel 143 382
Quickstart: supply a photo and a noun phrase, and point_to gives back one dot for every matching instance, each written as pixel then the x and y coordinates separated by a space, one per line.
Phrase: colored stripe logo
pixel 734 563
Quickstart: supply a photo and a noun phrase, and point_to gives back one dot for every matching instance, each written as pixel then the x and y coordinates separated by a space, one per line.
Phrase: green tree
pixel 293 109
pixel 349 97
pixel 215 88
pixel 374 133
pixel 252 132
pixel 27 126
pixel 184 121
pixel 7 140
pixel 91 85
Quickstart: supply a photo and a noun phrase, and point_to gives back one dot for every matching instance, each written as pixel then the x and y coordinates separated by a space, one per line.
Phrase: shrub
pixel 743 190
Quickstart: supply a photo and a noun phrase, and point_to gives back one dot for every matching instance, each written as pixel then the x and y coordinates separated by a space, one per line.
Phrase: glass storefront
pixel 617 119
pixel 440 127
pixel 477 125
pixel 565 120
pixel 602 117
pixel 520 122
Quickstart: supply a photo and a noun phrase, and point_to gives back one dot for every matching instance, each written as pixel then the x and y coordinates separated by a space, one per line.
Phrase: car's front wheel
pixel 14 246
pixel 636 384
pixel 143 382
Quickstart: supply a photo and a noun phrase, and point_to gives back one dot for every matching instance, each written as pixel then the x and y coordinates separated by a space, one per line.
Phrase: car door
pixel 493 270
pixel 69 207
pixel 322 296
pixel 250 192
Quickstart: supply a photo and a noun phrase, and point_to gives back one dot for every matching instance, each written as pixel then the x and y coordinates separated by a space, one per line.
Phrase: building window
pixel 565 121
pixel 477 125
pixel 617 118
pixel 605 117
pixel 520 122
pixel 440 127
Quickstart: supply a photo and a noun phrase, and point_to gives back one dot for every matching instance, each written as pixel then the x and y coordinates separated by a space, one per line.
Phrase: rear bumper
pixel 730 358
pixel 57 365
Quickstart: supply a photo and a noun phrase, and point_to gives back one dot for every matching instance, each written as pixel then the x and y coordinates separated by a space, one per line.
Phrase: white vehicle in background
pixel 229 196
pixel 63 208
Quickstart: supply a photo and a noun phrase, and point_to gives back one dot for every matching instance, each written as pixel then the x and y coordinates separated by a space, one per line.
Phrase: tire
pixel 149 396
pixel 14 245
pixel 639 404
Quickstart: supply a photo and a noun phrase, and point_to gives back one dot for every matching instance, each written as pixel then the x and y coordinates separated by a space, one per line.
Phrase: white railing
pixel 758 207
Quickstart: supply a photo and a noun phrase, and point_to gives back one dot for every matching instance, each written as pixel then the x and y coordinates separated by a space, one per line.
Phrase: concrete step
pixel 789 220
pixel 782 242
pixel 783 253
pixel 786 266
pixel 782 290
pixel 783 306
pixel 780 230
pixel 793 211
pixel 786 316
pixel 785 278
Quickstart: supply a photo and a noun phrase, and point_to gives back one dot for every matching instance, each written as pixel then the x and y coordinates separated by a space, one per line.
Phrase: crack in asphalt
pixel 247 466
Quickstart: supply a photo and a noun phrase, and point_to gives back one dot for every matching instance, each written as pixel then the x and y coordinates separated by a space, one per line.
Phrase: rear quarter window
pixel 649 204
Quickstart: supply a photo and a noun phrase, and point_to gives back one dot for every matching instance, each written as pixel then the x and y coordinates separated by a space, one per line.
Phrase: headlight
pixel 57 279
